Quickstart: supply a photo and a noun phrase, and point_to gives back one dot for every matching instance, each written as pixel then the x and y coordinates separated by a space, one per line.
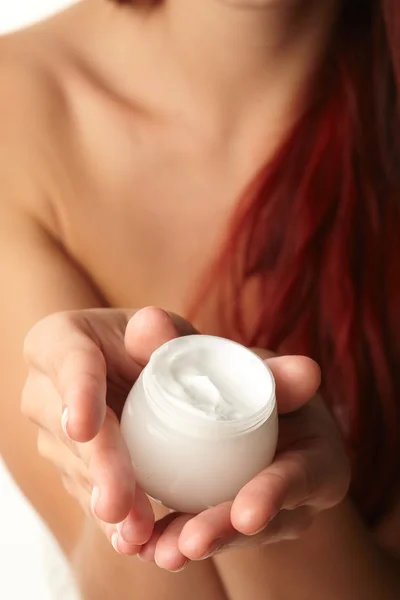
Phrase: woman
pixel 234 162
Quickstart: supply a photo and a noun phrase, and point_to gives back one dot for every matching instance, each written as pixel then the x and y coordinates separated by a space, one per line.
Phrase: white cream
pixel 200 422
pixel 198 386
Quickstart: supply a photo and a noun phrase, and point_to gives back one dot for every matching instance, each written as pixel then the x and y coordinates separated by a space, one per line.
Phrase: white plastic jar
pixel 200 422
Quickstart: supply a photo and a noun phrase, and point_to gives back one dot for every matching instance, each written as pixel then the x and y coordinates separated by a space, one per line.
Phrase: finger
pixel 119 545
pixel 204 534
pixel 110 469
pixel 115 540
pixel 76 366
pixel 294 479
pixel 83 496
pixel 81 381
pixel 148 550
pixel 137 528
pixel 105 463
pixel 167 554
pixel 102 468
pixel 297 380
pixel 287 525
pixel 151 327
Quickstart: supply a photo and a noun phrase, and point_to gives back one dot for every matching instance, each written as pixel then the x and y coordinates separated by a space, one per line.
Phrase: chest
pixel 146 198
pixel 147 227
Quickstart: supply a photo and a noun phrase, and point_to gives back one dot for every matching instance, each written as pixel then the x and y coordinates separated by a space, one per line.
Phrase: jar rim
pixel 162 400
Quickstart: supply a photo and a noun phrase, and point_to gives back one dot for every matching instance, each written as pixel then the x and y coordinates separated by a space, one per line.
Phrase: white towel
pixel 31 563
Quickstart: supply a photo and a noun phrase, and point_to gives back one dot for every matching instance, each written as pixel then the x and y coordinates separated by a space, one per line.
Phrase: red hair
pixel 317 236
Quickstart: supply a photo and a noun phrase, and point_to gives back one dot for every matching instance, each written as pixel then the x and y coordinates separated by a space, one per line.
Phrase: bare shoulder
pixel 33 118
pixel 30 87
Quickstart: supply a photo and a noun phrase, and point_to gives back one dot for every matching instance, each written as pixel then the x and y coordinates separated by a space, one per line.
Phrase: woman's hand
pixel 310 474
pixel 81 366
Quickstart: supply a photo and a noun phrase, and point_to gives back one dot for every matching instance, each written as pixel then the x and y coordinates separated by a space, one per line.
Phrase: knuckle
pixel 44 444
pixel 30 411
pixel 84 353
pixel 29 346
pixel 69 444
pixel 68 483
pixel 308 477
pixel 275 486
pixel 33 338
pixel 62 320
pixel 83 481
pixel 56 323
pixel 76 492
pixel 301 520
pixel 75 480
pixel 341 477
pixel 26 401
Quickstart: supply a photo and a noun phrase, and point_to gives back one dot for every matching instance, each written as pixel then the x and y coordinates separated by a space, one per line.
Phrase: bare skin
pixel 111 158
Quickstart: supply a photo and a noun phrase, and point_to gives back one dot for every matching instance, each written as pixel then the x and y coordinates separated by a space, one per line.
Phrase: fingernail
pixel 64 420
pixel 259 530
pixel 95 498
pixel 144 559
pixel 213 550
pixel 266 524
pixel 185 564
pixel 128 533
pixel 114 542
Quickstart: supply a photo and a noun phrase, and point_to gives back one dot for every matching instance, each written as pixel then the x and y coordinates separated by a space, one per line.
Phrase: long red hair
pixel 317 236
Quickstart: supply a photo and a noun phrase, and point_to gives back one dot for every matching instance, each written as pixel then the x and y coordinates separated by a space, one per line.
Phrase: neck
pixel 224 63
pixel 235 48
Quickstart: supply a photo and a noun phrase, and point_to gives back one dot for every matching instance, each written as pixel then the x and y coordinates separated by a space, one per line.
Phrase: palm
pixel 310 473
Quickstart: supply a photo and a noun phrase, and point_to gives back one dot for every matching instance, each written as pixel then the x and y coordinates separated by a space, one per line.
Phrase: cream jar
pixel 200 422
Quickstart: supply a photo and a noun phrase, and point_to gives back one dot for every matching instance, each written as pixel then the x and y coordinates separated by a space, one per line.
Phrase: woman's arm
pixel 337 558
pixel 36 279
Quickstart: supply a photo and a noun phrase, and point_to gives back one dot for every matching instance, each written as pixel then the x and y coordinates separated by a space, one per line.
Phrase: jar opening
pixel 209 384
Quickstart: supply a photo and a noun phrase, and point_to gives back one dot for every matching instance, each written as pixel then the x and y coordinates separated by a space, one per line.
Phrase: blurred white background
pixel 18 13
pixel 31 565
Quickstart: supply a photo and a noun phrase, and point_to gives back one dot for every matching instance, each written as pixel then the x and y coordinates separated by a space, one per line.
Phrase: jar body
pixel 189 470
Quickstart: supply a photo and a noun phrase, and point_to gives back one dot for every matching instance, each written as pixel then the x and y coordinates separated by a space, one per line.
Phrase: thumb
pixel 297 379
pixel 151 327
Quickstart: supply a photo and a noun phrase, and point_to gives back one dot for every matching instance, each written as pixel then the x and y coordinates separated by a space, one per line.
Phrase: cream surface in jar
pixel 200 422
